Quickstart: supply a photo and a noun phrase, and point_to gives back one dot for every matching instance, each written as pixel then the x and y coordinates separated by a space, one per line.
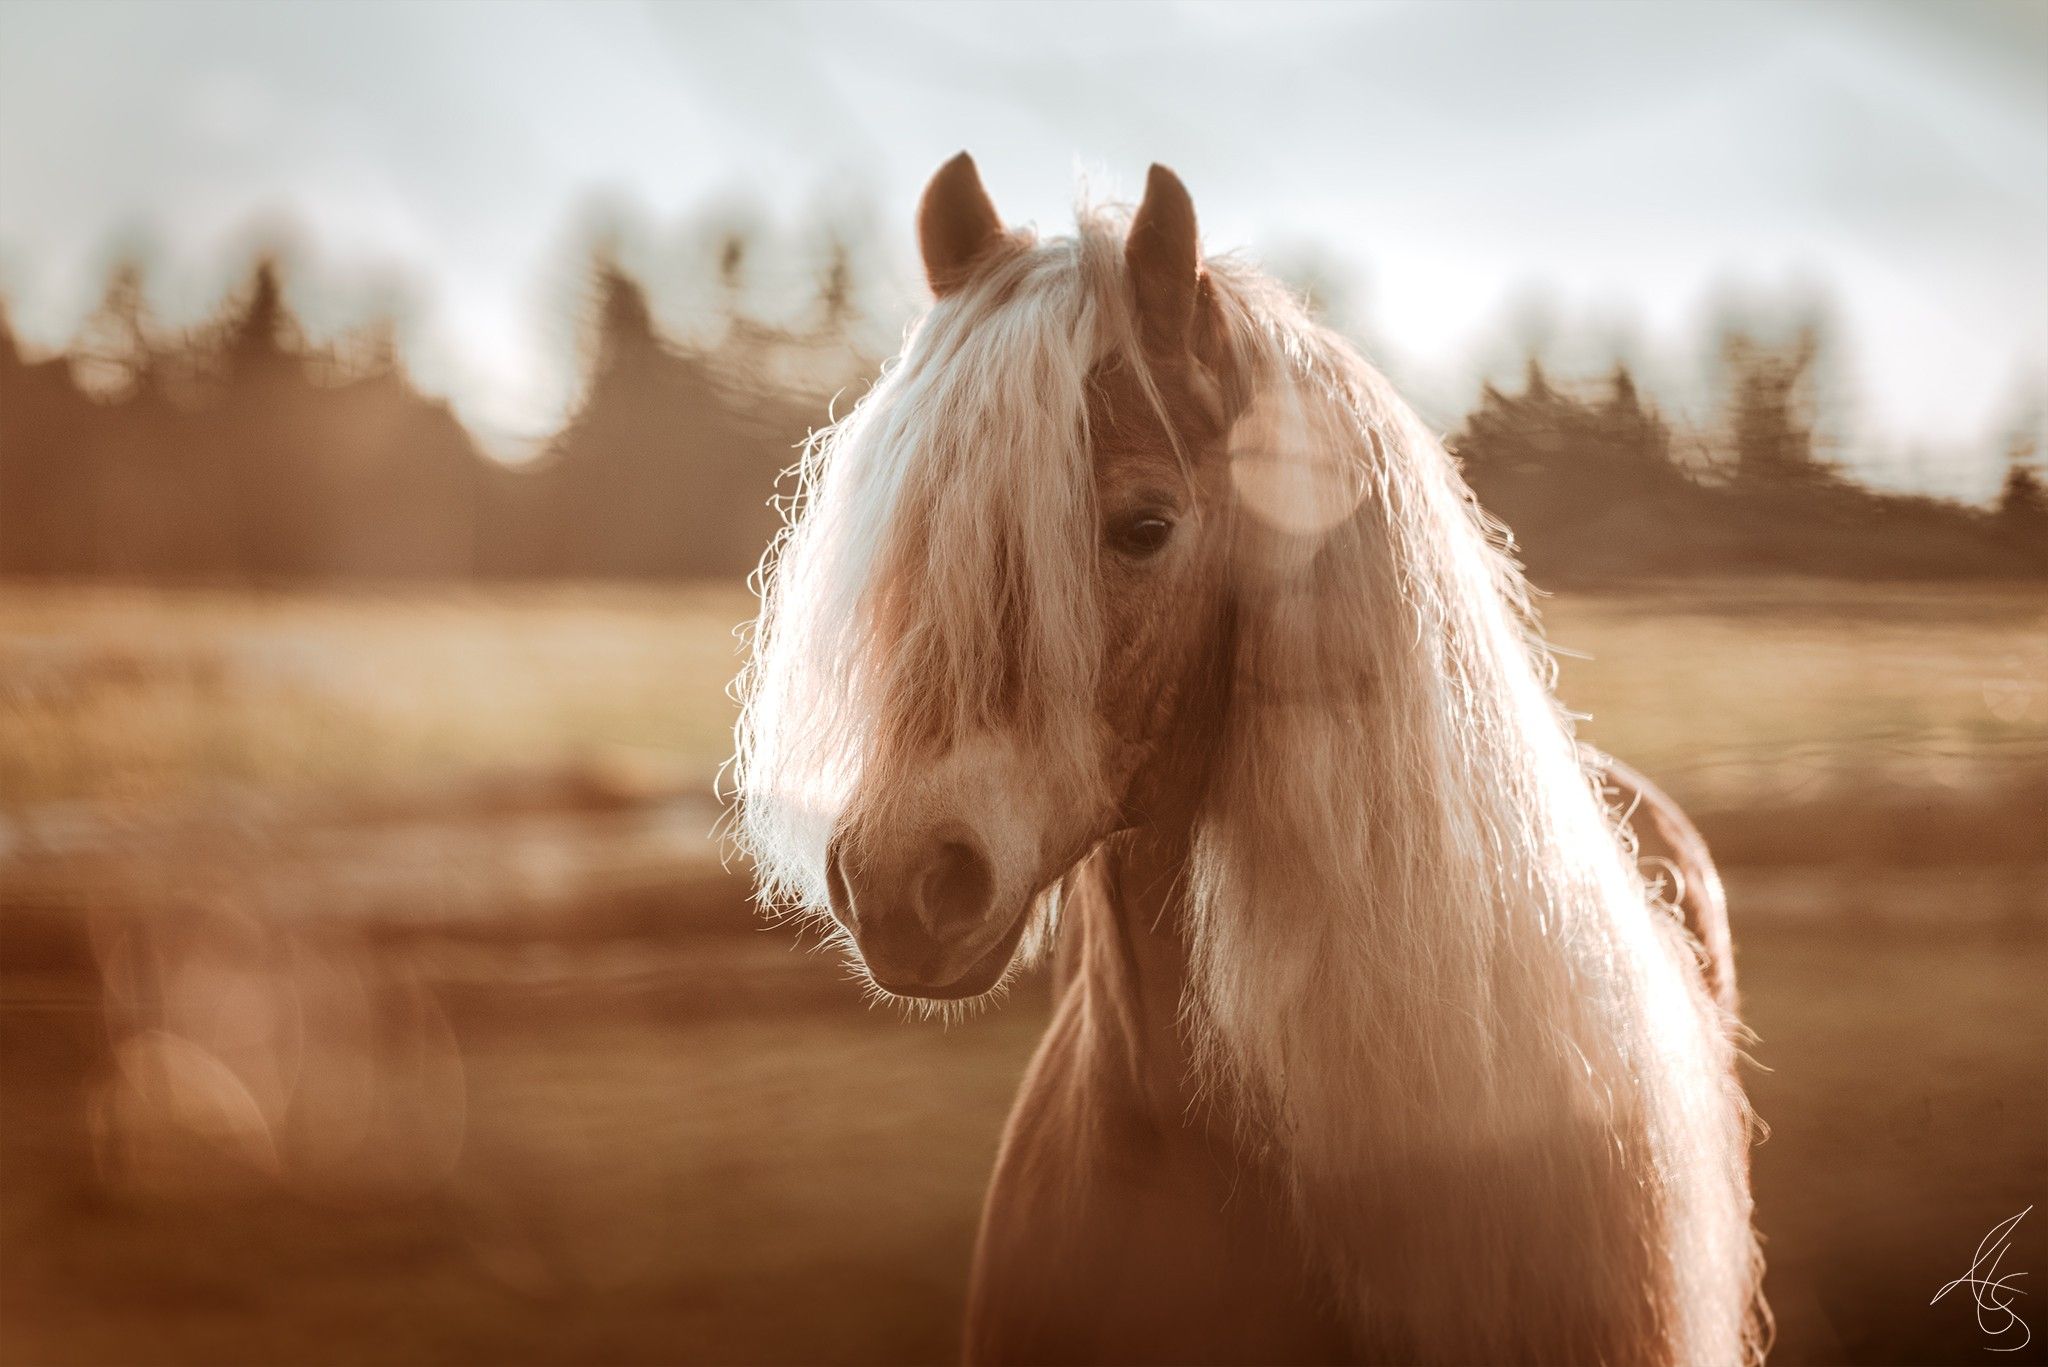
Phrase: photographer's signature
pixel 1992 1292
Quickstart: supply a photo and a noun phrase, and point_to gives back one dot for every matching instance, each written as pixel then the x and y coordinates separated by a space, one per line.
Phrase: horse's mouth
pixel 980 977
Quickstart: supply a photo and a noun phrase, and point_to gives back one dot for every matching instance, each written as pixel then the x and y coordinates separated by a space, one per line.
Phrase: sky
pixel 1469 177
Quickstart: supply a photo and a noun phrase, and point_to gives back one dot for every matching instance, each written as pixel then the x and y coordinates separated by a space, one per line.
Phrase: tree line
pixel 1597 485
pixel 239 452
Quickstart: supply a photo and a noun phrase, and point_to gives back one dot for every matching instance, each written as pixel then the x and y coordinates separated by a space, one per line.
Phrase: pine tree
pixel 835 291
pixel 1771 432
pixel 114 354
pixel 2023 497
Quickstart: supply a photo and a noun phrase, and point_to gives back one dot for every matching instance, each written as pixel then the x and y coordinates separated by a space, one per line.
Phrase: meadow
pixel 371 990
pixel 137 696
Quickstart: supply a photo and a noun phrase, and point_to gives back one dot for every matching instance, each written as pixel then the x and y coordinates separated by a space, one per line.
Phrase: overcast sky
pixel 1464 168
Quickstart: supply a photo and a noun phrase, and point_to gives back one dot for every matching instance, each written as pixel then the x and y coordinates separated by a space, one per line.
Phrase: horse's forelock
pixel 937 579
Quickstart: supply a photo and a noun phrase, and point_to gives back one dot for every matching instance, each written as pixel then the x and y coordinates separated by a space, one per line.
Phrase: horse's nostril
pixel 958 884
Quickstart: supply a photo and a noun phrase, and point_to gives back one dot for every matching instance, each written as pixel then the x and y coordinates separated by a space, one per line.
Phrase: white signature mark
pixel 1992 1292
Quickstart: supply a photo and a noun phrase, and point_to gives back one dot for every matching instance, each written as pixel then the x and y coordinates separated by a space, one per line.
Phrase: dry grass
pixel 137 696
pixel 134 695
pixel 1750 690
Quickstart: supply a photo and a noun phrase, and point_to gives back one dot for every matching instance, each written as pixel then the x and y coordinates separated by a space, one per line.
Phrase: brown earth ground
pixel 706 1150
pixel 316 1050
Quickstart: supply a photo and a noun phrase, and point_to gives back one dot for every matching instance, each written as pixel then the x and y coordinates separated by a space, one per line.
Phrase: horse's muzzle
pixel 923 915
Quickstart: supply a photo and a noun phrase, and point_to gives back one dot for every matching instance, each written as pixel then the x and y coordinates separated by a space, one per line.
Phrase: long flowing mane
pixel 1423 960
pixel 1428 980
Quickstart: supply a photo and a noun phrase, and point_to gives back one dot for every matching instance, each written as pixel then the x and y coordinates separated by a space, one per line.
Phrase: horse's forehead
pixel 1133 443
pixel 1124 421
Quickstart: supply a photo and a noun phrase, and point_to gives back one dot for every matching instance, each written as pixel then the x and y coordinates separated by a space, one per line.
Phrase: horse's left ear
pixel 1179 324
pixel 1164 257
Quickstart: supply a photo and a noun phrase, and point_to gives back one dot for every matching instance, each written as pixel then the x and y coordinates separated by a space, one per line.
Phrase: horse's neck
pixel 1133 968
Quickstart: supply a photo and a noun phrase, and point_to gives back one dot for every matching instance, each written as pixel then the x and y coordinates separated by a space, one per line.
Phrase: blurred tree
pixel 261 338
pixel 46 435
pixel 1575 479
pixel 301 463
pixel 270 474
pixel 1771 410
pixel 666 467
pixel 835 290
pixel 114 351
pixel 2023 496
pixel 241 449
pixel 732 271
pixel 139 514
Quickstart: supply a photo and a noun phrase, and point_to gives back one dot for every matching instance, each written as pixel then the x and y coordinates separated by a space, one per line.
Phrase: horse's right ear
pixel 957 225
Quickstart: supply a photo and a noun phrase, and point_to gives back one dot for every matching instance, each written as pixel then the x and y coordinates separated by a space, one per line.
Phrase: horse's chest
pixel 1110 1238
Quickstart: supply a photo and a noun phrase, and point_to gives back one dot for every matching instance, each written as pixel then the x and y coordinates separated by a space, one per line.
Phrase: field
pixel 369 990
pixel 133 696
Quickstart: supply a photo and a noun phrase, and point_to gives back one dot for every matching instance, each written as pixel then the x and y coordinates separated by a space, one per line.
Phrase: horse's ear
pixel 1164 258
pixel 957 225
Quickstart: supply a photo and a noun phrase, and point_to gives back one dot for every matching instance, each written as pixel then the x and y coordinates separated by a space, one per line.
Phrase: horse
pixel 1132 619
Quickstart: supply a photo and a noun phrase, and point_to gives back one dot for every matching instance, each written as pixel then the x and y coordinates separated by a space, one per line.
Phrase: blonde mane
pixel 1427 979
pixel 1419 945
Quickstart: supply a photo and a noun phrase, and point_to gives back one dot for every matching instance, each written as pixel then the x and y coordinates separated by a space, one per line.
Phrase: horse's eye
pixel 1139 535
